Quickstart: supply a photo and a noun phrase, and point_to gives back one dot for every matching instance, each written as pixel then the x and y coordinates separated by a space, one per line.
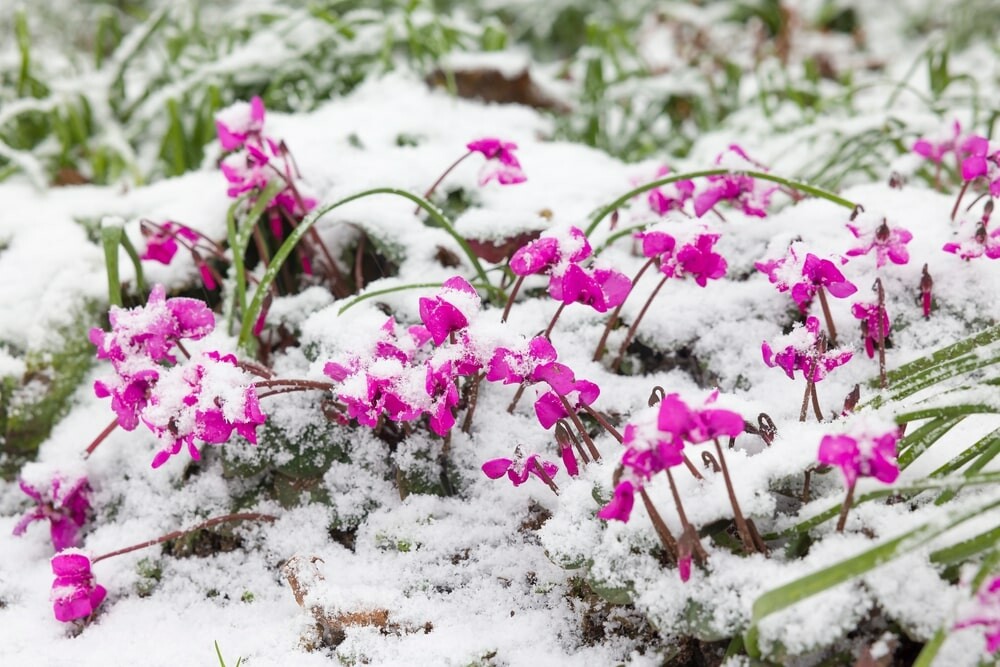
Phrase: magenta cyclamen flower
pixel 450 310
pixel 671 197
pixel 63 503
pixel 803 280
pixel 239 122
pixel 868 450
pixel 501 164
pixel 874 232
pixel 553 251
pixel 874 329
pixel 519 468
pixel 982 161
pixel 697 425
pixel 161 242
pixel 743 191
pixel 75 594
pixel 974 239
pixel 203 400
pixel 601 289
pixel 985 613
pixel 799 350
pixel 649 450
pixel 936 149
pixel 516 366
pixel 621 504
pixel 679 258
pixel 549 408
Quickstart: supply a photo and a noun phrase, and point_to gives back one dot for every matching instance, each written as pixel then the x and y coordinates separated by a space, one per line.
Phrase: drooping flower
pixel 519 468
pixel 549 407
pixel 601 289
pixel 203 400
pixel 239 122
pixel 799 350
pixel 874 232
pixel 649 450
pixel 621 504
pixel 553 251
pixel 450 310
pixel 697 425
pixel 975 239
pixel 63 503
pixel 161 241
pixel 501 165
pixel 985 613
pixel 515 366
pixel 684 253
pixel 867 450
pixel 935 149
pixel 75 593
pixel 743 191
pixel 982 161
pixel 874 328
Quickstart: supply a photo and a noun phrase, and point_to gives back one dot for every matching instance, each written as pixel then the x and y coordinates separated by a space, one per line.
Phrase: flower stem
pixel 958 200
pixel 240 516
pixel 100 438
pixel 517 397
pixel 613 320
pixel 883 380
pixel 699 550
pixel 599 418
pixel 828 316
pixel 692 468
pixel 666 539
pixel 575 418
pixel 741 524
pixel 298 384
pixel 545 476
pixel 635 325
pixel 848 501
pixel 470 410
pixel 444 174
pixel 510 299
pixel 555 317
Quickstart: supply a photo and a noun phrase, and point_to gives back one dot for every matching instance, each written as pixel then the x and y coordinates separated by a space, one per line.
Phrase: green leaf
pixel 111 238
pixel 987 449
pixel 817 582
pixel 919 441
pixel 140 280
pixel 239 237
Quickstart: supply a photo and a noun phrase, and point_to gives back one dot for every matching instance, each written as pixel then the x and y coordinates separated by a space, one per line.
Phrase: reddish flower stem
pixel 613 320
pixel 444 174
pixel 692 468
pixel 545 476
pixel 699 550
pixel 473 400
pixel 958 200
pixel 555 317
pixel 100 438
pixel 594 453
pixel 741 524
pixel 666 538
pixel 510 299
pixel 517 397
pixel 883 379
pixel 300 384
pixel 635 325
pixel 830 327
pixel 240 516
pixel 599 418
pixel 848 501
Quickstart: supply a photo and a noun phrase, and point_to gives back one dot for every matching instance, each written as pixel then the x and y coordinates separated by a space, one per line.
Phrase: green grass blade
pixel 140 280
pixel 239 237
pixel 919 441
pixel 111 238
pixel 987 449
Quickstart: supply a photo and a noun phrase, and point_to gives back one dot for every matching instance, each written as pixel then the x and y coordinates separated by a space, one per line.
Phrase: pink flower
pixel 450 310
pixel 549 408
pixel 649 450
pixel 501 164
pixel 874 329
pixel 601 289
pixel 936 150
pixel 799 350
pixel 975 240
pixel 161 242
pixel 442 390
pixel 698 259
pixel 129 395
pixel 518 469
pixel 696 426
pixel 985 613
pixel 620 506
pixel 868 451
pixel 516 366
pixel 803 280
pixel 889 243
pixel 669 197
pixel 64 504
pixel 75 594
pixel 553 249
pixel 239 122
pixel 982 161
pixel 743 191
pixel 203 400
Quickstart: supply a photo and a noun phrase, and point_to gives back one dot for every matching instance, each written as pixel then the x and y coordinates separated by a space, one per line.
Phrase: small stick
pixel 100 438
pixel 830 327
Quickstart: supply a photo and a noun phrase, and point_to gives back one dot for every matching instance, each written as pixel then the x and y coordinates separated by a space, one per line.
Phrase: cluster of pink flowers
pixel 868 449
pixel 559 253
pixel 670 197
pixel 935 150
pixel 694 256
pixel 800 350
pixel 162 244
pixel 655 444
pixel 742 191
pixel 203 398
pixel 975 155
pixel 975 239
pixel 519 468
pixel 63 503
pixel 803 276
pixel 501 163
pixel 255 160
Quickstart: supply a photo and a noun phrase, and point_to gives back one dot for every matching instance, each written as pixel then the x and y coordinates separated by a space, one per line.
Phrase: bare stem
pixel 545 476
pixel 100 438
pixel 666 538
pixel 883 379
pixel 517 397
pixel 300 384
pixel 848 501
pixel 473 400
pixel 575 418
pixel 444 174
pixel 241 516
pixel 830 327
pixel 741 524
pixel 510 299
pixel 613 320
pixel 555 317
pixel 685 524
pixel 599 418
pixel 958 200
pixel 635 325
